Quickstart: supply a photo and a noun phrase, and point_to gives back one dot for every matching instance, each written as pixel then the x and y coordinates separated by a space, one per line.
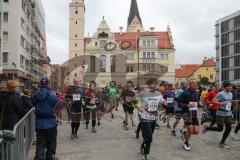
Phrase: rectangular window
pixel 225 63
pixel 130 56
pixel 225 51
pixel 5 57
pixel 237 61
pixel 5 0
pixel 22 61
pixel 144 55
pixel 236 21
pixel 225 75
pixel 225 26
pixel 225 38
pixel 164 68
pixel 144 67
pixel 144 43
pixel 103 43
pixel 237 35
pixel 131 68
pixel 153 67
pixel 148 43
pixel 5 36
pixel 153 55
pixel 152 42
pixel 113 63
pixel 148 55
pixel 237 48
pixel 237 73
pixel 211 77
pixel 23 5
pixel 5 16
pixel 164 56
pixel 22 42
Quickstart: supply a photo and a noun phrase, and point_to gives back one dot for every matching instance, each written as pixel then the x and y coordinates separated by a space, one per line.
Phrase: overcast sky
pixel 191 21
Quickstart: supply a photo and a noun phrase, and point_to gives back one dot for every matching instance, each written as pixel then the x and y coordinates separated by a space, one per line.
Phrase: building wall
pixel 26 22
pixel 228 48
pixel 205 72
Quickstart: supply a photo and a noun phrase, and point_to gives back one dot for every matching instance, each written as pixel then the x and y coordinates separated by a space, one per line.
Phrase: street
pixel 112 142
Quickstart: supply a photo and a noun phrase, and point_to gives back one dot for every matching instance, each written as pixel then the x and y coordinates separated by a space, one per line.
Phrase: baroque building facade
pixel 134 54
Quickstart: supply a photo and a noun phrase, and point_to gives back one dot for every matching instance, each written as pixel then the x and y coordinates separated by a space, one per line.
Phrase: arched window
pixel 93 64
pixel 102 63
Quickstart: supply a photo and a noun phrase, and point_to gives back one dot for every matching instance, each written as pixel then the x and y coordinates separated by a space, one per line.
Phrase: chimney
pixel 152 29
pixel 205 59
pixel 121 30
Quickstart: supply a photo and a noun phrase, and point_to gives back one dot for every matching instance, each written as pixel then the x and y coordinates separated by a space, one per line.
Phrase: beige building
pixel 23 41
pixel 121 56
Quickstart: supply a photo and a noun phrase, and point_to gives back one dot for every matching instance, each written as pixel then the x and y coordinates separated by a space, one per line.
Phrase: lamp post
pixel 138 74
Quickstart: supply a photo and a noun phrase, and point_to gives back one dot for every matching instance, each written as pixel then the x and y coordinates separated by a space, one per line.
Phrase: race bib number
pixel 76 97
pixel 93 101
pixel 129 99
pixel 228 106
pixel 152 106
pixel 195 106
pixel 169 100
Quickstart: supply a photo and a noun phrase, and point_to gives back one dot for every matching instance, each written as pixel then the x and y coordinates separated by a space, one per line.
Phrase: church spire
pixel 134 12
pixel 134 19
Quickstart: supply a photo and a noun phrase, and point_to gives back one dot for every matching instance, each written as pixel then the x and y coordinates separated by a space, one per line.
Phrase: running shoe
pixel 133 124
pixel 204 130
pixel 94 130
pixel 76 136
pixel 173 132
pixel 164 120
pixel 137 134
pixel 72 136
pixel 223 145
pixel 146 157
pixel 187 147
pixel 142 150
pixel 235 136
pixel 157 126
pixel 168 126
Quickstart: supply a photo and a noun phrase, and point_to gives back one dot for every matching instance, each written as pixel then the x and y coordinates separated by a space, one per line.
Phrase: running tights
pixel 75 126
pixel 220 129
pixel 237 128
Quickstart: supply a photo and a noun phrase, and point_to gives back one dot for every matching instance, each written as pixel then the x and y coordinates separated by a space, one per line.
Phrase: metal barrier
pixel 24 132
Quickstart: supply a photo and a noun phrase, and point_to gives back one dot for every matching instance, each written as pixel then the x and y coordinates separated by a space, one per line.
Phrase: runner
pixel 178 110
pixel 169 96
pixel 76 94
pixel 210 105
pixel 112 97
pixel 91 98
pixel 189 101
pixel 224 114
pixel 150 102
pixel 127 98
pixel 101 108
pixel 234 134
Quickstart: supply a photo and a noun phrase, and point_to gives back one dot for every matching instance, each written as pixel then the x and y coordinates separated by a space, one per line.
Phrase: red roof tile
pixel 163 38
pixel 209 63
pixel 186 70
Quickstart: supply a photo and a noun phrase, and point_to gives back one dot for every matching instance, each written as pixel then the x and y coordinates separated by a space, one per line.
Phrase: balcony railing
pixel 148 60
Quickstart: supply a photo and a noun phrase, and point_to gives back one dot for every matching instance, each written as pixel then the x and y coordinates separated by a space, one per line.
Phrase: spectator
pixel 46 123
pixel 12 108
pixel 26 99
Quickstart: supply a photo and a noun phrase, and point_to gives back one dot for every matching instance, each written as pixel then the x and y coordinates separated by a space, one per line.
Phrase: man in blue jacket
pixel 46 123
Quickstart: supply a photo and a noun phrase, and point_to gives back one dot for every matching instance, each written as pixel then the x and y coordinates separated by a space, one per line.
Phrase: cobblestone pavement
pixel 112 142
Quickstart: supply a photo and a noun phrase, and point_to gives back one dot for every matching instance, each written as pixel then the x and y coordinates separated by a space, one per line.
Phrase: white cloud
pixel 192 23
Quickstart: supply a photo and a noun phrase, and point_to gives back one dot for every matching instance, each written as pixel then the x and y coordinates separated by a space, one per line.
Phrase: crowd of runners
pixel 146 108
